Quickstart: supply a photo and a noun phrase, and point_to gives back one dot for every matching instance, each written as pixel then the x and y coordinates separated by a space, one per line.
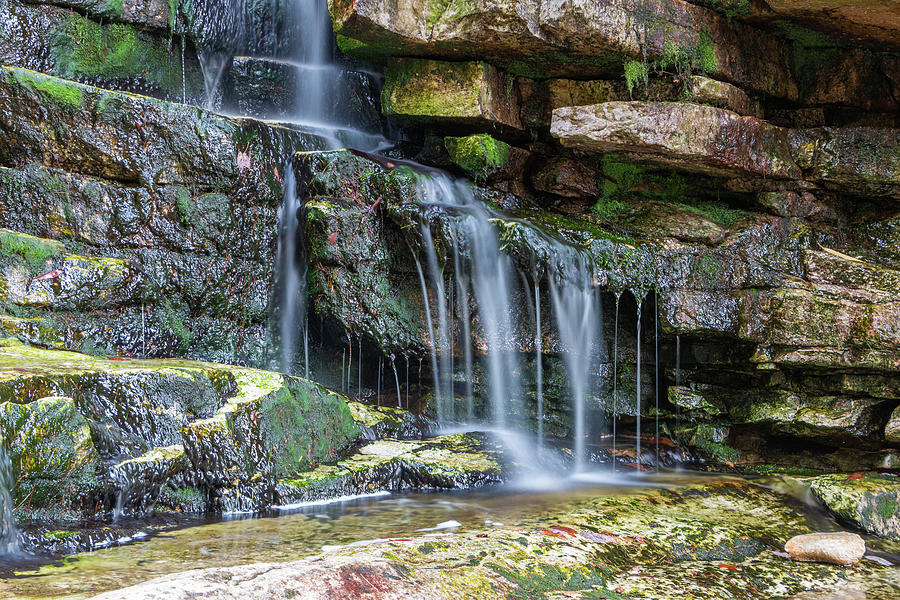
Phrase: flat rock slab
pixel 716 141
pixel 837 548
pixel 579 38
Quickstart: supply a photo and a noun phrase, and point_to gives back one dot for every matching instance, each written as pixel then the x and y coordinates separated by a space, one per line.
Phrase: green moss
pixel 635 72
pixel 731 9
pixel 111 8
pixel 65 93
pixel 173 320
pixel 184 206
pixel 83 48
pixel 886 506
pixel 428 88
pixel 60 534
pixel 480 155
pixel 33 249
pixel 706 438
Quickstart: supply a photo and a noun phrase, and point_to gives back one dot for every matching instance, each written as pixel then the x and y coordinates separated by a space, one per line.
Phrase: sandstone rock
pixel 457 461
pixel 580 38
pixel 716 141
pixel 378 422
pixel 859 160
pixel 874 22
pixel 691 136
pixel 892 429
pixel 567 177
pixel 486 158
pixel 868 500
pixel 472 93
pixel 723 95
pixel 838 548
pixel 797 204
pixel 50 446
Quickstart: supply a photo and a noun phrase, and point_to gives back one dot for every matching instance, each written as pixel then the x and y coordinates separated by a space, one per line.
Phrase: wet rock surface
pixel 712 540
pixel 869 501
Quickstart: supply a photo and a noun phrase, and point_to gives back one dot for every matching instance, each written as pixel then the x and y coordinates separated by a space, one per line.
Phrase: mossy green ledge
pixel 456 461
pixel 119 426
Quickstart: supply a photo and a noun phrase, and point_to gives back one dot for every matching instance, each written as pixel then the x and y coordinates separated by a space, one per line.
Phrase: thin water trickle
pixel 615 380
pixel 349 361
pixel 432 346
pixel 9 539
pixel 656 368
pixel 359 374
pixel 677 380
pixel 397 381
pixel 637 452
pixel 291 269
pixel 539 363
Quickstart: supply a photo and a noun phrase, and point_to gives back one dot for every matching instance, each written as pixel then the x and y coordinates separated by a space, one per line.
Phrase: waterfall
pixel 9 539
pixel 576 306
pixel 539 363
pixel 637 452
pixel 441 340
pixel 291 269
pixel 480 264
pixel 615 380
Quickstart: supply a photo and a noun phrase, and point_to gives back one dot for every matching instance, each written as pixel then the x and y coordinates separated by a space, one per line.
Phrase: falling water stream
pixel 8 535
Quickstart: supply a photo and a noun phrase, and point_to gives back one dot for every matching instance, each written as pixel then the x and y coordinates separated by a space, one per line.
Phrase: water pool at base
pixel 305 531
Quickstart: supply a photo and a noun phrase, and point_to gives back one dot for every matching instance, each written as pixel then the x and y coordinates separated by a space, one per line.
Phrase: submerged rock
pixel 839 548
pixel 868 500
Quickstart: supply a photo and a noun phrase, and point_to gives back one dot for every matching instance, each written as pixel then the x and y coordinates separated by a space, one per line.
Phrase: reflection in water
pixel 306 531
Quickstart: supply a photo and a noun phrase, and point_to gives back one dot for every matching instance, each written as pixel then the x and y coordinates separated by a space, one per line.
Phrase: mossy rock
pixel 458 461
pixel 377 422
pixel 869 501
pixel 480 155
pixel 53 455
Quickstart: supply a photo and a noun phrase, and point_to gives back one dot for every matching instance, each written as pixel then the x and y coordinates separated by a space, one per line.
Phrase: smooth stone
pixel 841 548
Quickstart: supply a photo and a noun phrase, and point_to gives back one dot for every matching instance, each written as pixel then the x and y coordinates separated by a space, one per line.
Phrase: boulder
pixel 837 548
pixel 470 93
pixel 892 429
pixel 723 95
pixel 867 500
pixel 567 177
pixel 690 136
pixel 580 39
pixel 379 422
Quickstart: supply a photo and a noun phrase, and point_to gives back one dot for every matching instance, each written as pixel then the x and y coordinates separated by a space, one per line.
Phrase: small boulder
pixel 841 548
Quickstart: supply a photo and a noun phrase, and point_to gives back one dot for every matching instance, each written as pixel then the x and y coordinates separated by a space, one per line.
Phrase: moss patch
pixel 480 155
pixel 83 48
pixel 34 250
pixel 55 90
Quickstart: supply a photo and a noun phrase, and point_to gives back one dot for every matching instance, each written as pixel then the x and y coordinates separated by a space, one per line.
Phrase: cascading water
pixel 577 307
pixel 291 268
pixel 481 265
pixel 9 540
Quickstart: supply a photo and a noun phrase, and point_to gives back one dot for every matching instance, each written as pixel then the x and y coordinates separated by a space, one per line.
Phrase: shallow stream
pixel 307 530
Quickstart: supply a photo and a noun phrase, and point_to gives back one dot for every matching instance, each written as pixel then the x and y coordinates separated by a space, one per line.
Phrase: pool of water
pixel 306 530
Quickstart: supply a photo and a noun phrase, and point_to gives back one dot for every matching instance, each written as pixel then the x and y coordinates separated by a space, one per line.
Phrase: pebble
pixel 840 548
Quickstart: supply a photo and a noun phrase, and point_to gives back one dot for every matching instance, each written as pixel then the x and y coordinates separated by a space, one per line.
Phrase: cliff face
pixel 733 166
